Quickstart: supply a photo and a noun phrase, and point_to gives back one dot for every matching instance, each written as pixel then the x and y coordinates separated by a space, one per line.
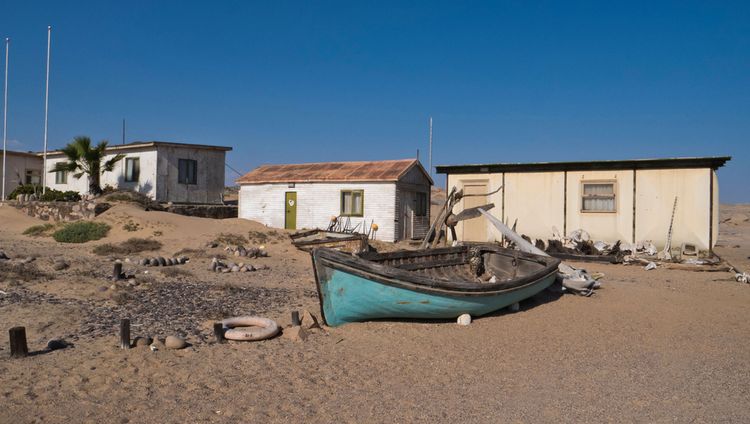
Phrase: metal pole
pixel 5 112
pixel 429 171
pixel 46 107
pixel 123 131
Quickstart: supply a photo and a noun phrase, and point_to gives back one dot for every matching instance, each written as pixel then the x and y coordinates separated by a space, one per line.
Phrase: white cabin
pixel 393 194
pixel 164 171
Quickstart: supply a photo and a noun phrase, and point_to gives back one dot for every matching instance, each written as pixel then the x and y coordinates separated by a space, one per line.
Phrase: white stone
pixel 464 319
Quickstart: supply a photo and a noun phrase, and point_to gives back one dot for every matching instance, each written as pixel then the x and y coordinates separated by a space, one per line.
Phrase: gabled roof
pixel 375 171
pixel 602 165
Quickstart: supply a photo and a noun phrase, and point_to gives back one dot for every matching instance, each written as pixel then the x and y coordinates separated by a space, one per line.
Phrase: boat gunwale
pixel 410 280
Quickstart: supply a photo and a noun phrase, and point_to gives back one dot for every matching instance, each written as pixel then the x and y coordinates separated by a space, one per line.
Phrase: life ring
pixel 251 328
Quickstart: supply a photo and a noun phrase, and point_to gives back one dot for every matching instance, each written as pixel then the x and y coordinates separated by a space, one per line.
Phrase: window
pixel 33 176
pixel 132 169
pixel 352 202
pixel 187 172
pixel 421 206
pixel 598 196
pixel 61 177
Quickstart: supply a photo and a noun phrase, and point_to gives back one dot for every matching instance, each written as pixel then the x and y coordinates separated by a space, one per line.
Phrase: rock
pixel 231 265
pixel 142 341
pixel 143 261
pixel 243 268
pixel 249 268
pixel 236 253
pixel 127 260
pixel 55 344
pixel 242 251
pixel 3 256
pixel 309 321
pixel 174 342
pixel 235 269
pixel 170 261
pixel 212 245
pixel 295 334
pixel 224 269
pixel 183 259
pixel 60 265
pixel 464 319
pixel 29 259
pixel 214 265
pixel 162 261
pixel 153 262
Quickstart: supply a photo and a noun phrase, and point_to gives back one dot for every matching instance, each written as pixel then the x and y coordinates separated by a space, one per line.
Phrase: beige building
pixel 21 168
pixel 628 200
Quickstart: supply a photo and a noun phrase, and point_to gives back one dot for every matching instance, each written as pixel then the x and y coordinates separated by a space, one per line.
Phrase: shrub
pixel 230 239
pixel 38 230
pixel 51 195
pixel 129 246
pixel 130 226
pixel 81 232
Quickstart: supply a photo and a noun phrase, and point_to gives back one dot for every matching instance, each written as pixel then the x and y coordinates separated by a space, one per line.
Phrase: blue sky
pixel 319 81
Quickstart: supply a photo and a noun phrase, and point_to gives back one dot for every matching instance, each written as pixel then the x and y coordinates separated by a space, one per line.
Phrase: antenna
pixel 123 130
pixel 5 113
pixel 417 154
pixel 46 108
pixel 430 153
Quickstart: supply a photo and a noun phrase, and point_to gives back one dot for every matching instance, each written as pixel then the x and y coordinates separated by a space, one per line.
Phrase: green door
pixel 290 221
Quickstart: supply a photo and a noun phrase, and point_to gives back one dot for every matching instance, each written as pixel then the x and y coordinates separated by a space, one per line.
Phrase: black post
pixel 219 332
pixel 18 347
pixel 124 334
pixel 295 318
pixel 117 272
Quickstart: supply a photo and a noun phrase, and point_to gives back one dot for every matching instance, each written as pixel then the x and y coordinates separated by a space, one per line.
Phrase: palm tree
pixel 83 159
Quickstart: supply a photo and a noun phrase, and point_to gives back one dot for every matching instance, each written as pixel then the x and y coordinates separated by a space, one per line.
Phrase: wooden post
pixel 18 347
pixel 219 332
pixel 124 334
pixel 295 318
pixel 117 272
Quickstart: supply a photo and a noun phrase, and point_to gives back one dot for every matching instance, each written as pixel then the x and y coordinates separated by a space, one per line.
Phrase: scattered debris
pixel 219 266
pixel 742 277
pixel 650 266
pixel 736 219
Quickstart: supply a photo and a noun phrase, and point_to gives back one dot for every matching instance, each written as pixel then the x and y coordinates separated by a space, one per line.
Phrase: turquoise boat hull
pixel 352 289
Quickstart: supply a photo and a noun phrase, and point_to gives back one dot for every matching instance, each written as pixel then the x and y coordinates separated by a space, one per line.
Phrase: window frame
pixel 61 177
pixel 341 203
pixel 584 196
pixel 137 169
pixel 29 175
pixel 186 180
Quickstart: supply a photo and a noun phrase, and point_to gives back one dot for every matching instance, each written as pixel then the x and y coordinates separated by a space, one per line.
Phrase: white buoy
pixel 464 319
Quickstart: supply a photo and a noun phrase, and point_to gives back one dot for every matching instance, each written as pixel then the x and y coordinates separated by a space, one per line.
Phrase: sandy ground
pixel 650 346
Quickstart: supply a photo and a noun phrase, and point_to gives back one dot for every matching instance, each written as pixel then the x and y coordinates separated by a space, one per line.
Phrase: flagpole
pixel 5 113
pixel 430 159
pixel 46 107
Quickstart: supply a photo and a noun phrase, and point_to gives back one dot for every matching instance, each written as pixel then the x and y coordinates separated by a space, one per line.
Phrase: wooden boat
pixel 348 242
pixel 438 283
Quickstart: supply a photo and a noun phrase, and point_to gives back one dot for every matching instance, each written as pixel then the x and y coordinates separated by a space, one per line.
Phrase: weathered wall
pixel 317 203
pixel 17 164
pixel 146 183
pixel 61 211
pixel 210 175
pixel 536 199
pixel 409 225
pixel 656 190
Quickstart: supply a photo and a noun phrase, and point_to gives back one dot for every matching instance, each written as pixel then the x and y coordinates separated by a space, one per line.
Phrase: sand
pixel 650 346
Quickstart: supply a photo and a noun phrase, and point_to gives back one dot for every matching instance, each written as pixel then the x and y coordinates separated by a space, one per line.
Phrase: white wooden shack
pixel 393 194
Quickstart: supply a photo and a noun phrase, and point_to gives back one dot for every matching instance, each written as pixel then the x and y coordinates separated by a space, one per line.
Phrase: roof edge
pixel 713 162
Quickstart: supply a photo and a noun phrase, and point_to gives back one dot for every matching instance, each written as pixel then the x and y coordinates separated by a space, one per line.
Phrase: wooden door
pixel 475 229
pixel 290 206
pixel 407 215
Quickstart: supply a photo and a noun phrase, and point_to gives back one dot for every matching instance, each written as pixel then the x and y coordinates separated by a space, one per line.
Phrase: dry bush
pixel 38 230
pixel 231 239
pixel 128 247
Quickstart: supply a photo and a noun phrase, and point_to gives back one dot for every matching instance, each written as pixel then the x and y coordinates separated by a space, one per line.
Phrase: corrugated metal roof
pixel 385 170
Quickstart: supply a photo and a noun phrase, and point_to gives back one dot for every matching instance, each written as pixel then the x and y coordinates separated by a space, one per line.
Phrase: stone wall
pixel 61 211
pixel 204 211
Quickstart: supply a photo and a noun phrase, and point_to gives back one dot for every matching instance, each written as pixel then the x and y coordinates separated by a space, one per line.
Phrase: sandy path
pixel 651 346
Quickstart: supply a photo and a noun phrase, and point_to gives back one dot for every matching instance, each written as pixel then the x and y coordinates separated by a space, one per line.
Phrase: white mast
pixel 5 112
pixel 430 158
pixel 46 105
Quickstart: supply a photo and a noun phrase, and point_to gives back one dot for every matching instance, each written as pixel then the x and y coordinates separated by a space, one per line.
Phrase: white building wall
pixel 317 203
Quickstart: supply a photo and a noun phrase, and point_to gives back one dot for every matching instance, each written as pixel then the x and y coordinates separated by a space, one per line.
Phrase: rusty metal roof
pixel 385 170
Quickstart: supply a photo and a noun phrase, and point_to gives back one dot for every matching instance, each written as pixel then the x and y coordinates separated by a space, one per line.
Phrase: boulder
pixel 162 261
pixel 142 341
pixel 464 319
pixel 60 265
pixel 153 262
pixel 55 344
pixel 235 269
pixel 174 342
